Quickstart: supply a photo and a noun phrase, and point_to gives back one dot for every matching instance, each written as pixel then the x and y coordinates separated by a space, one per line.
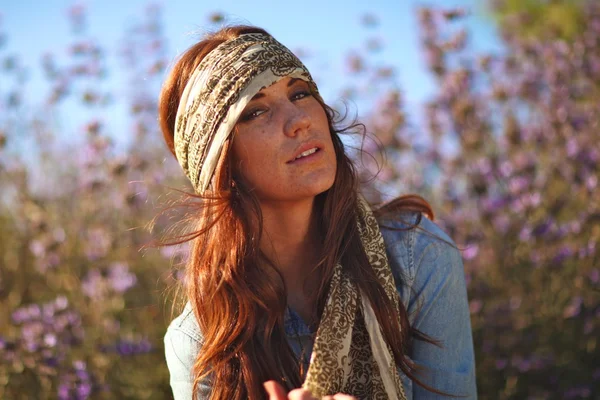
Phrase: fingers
pixel 339 396
pixel 300 394
pixel 275 390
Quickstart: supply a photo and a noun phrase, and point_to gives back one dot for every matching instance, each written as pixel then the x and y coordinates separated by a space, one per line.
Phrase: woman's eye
pixel 250 115
pixel 300 95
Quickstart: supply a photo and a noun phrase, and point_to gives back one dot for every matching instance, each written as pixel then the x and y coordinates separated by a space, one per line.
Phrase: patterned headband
pixel 218 91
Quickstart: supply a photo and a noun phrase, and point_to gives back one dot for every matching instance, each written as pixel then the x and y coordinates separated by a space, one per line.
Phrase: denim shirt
pixel 430 279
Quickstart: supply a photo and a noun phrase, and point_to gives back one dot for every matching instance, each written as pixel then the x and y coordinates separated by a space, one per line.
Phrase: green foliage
pixel 537 18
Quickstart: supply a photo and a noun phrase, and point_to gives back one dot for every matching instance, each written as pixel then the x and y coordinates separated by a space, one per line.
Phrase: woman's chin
pixel 296 193
pixel 318 186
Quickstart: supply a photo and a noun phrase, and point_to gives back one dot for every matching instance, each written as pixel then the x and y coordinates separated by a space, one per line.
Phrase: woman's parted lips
pixel 310 144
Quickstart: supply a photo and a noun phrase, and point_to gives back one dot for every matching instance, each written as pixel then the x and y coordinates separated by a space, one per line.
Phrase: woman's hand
pixel 277 392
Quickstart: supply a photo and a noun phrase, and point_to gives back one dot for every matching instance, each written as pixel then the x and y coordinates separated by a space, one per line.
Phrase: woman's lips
pixel 309 158
pixel 305 146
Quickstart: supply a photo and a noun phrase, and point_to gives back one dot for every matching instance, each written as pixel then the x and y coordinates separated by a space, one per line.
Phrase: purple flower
pixel 98 243
pixel 592 182
pixel 515 302
pixel 572 147
pixel 564 253
pixel 594 275
pixel 471 251
pixel 52 362
pixel 532 199
pixel 126 347
pixel 574 226
pixel 61 303
pixel 542 228
pixel 50 339
pixel 63 391
pixel 588 327
pixel 501 222
pixel 26 313
pixel 179 252
pixel 501 363
pixel 525 234
pixel 79 365
pixel 506 169
pixel 37 247
pixel 524 365
pixel 77 383
pixel 493 204
pixel 518 184
pixel 475 306
pixel 93 284
pixel 120 278
pixel 84 389
pixel 578 392
pixel 574 308
pixel 535 257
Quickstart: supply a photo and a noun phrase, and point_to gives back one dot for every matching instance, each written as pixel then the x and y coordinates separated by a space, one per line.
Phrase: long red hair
pixel 238 296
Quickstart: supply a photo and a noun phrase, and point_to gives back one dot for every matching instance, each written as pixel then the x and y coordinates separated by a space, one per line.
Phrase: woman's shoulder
pixel 182 344
pixel 413 227
pixel 184 325
pixel 408 237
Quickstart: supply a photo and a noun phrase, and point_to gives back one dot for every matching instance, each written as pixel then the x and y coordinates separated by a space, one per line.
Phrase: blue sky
pixel 329 29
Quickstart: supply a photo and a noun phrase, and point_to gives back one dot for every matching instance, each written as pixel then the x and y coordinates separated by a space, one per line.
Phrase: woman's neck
pixel 292 241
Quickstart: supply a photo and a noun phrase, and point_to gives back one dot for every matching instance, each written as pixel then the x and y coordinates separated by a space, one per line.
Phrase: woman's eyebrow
pixel 290 83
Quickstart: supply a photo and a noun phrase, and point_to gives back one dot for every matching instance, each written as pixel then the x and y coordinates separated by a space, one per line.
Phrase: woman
pixel 294 284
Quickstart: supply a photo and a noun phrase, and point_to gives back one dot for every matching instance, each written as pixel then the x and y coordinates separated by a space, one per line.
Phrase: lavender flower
pixel 120 278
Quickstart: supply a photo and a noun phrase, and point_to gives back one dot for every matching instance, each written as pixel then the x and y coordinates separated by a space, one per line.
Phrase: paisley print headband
pixel 218 91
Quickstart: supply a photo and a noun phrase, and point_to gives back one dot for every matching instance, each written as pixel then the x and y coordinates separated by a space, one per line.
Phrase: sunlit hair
pixel 237 294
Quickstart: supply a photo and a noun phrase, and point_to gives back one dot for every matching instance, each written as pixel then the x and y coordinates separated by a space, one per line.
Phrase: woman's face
pixel 282 146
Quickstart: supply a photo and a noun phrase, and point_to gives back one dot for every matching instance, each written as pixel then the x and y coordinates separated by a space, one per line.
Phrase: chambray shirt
pixel 430 279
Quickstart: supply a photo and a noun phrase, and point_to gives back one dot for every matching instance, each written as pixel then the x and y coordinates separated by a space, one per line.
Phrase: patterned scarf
pixel 341 360
pixel 350 354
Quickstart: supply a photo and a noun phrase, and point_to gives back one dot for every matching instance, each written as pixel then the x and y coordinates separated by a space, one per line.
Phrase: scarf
pixel 350 354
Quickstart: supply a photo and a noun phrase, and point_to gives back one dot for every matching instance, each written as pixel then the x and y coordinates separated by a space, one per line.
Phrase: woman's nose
pixel 296 120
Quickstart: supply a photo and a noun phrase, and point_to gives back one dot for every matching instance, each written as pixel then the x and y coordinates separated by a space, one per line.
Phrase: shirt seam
pixel 188 332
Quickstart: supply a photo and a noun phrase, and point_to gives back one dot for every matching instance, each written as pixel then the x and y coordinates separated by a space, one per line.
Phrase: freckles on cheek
pixel 262 152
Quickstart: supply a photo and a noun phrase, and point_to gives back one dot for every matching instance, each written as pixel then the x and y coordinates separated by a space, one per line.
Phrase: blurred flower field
pixel 509 156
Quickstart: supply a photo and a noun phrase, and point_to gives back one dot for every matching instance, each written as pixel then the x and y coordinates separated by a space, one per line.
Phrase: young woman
pixel 295 288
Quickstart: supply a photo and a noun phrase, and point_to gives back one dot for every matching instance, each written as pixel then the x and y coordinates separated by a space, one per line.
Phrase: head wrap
pixel 214 97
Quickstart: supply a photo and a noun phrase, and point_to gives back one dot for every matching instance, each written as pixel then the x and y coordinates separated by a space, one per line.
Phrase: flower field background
pixel 509 156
